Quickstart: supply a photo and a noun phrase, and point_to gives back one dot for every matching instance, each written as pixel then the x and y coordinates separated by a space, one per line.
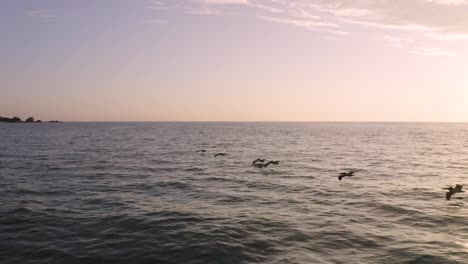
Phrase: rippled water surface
pixel 138 193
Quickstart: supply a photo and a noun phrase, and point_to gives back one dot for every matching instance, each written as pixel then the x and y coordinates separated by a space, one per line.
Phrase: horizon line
pixel 243 121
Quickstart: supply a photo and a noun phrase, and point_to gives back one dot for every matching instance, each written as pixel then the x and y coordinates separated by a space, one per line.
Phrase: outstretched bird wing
pixel 448 195
pixel 340 177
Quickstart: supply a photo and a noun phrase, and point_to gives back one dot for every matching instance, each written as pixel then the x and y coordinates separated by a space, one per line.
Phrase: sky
pixel 235 60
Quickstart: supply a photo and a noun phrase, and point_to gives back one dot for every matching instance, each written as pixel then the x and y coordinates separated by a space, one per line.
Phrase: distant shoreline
pixel 28 120
pixel 32 120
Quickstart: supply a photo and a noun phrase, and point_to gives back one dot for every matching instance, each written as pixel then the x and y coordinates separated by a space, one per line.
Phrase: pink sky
pixel 235 60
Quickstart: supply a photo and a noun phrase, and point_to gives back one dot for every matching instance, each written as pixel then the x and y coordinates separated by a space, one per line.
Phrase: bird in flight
pixel 451 191
pixel 201 150
pixel 261 163
pixel 220 154
pixel 345 174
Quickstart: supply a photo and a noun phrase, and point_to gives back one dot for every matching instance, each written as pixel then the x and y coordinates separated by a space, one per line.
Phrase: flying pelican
pixel 345 174
pixel 452 191
pixel 201 150
pixel 220 154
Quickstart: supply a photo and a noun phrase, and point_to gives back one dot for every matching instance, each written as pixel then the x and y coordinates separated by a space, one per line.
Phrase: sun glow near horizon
pixel 218 60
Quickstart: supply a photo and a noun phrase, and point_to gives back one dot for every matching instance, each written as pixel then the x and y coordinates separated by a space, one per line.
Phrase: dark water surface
pixel 138 193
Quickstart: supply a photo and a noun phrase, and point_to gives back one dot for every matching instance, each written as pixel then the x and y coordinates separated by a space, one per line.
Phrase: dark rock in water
pixel 15 120
pixel 29 120
pixel 54 121
pixel 10 120
pixel 39 121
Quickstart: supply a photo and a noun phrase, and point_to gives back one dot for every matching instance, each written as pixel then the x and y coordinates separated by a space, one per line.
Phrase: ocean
pixel 139 193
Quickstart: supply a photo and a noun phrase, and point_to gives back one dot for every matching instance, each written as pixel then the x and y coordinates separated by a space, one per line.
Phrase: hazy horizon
pixel 232 121
pixel 235 60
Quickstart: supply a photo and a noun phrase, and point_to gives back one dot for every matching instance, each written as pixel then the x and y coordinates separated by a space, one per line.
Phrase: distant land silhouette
pixel 28 120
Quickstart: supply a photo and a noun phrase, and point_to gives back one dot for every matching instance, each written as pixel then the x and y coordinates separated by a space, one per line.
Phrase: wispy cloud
pixel 433 52
pixel 158 5
pixel 202 10
pixel 194 7
pixel 242 2
pixel 450 2
pixel 449 36
pixel 414 48
pixel 437 19
pixel 156 21
pixel 270 9
pixel 306 23
pixel 41 13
